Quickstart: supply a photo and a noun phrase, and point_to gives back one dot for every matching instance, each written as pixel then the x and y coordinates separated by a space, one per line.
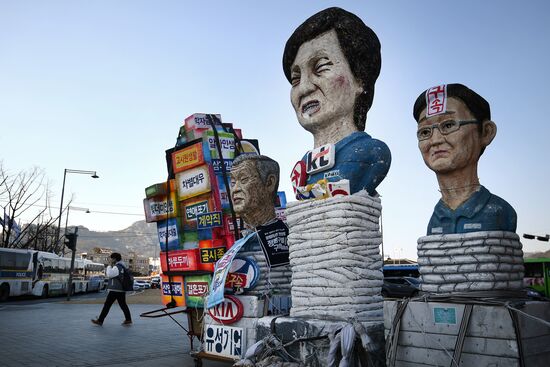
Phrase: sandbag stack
pixel 335 258
pixel 271 281
pixel 476 261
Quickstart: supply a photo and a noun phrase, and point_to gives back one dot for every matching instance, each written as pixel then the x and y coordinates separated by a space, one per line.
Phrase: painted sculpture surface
pixel 452 134
pixel 471 244
pixel 332 61
pixel 254 182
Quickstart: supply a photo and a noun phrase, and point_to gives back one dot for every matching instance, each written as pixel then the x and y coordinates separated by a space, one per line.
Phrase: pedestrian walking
pixel 115 273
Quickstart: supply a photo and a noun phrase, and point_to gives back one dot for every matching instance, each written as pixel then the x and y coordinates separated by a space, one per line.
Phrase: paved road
pixel 61 334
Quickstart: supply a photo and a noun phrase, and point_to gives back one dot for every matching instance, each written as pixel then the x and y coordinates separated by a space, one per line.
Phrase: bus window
pixel 7 260
pixel 62 267
pixel 48 266
pixel 533 270
pixel 22 261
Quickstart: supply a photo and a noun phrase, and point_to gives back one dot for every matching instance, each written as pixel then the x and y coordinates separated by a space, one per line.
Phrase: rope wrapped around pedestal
pixel 475 261
pixel 335 258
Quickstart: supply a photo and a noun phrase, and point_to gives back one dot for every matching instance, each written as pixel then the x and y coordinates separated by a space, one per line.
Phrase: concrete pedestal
pixel 239 335
pixel 427 334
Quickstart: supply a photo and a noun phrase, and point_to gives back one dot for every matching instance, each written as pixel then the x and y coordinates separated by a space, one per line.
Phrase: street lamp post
pixel 92 173
pixel 71 238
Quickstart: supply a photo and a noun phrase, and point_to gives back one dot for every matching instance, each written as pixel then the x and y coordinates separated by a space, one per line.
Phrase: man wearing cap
pixel 454 127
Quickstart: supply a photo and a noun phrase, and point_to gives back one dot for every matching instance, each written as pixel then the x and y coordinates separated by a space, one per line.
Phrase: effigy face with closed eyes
pixel 332 61
pixel 331 95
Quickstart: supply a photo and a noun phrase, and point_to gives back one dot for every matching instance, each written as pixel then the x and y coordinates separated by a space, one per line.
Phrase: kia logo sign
pixel 229 311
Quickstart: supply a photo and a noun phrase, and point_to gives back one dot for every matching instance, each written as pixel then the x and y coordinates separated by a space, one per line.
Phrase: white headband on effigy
pixel 436 100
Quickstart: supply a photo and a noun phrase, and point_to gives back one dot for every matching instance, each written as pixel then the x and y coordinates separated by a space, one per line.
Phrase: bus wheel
pixel 4 292
pixel 45 292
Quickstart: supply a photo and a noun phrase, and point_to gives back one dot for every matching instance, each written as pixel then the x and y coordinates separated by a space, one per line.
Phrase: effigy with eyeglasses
pixel 470 262
pixel 471 244
pixel 470 307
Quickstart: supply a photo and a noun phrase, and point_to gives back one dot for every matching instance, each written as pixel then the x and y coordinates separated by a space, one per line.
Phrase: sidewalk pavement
pixel 61 334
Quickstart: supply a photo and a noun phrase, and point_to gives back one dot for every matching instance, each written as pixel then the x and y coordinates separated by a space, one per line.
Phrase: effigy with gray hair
pixel 255 180
pixel 264 165
pixel 476 261
pixel 335 258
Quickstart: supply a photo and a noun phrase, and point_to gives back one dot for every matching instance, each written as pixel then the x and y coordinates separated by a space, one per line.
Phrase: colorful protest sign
pixel 196 289
pixel 243 275
pixel 222 269
pixel 193 182
pixel 188 157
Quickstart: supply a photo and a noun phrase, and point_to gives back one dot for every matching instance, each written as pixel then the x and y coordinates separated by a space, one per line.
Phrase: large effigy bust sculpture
pixel 254 183
pixel 471 244
pixel 332 61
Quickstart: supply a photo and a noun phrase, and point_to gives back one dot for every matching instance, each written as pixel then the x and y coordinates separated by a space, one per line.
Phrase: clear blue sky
pixel 105 85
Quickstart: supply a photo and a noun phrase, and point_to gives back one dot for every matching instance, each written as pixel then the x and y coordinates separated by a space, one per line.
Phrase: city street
pixel 53 332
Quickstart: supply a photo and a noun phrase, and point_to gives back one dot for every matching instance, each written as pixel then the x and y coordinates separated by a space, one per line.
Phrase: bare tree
pixel 27 193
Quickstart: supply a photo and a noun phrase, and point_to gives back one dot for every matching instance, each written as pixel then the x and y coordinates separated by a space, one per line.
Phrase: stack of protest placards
pixel 192 209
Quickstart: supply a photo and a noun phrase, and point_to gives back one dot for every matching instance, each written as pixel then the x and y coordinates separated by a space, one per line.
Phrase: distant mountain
pixel 537 254
pixel 140 238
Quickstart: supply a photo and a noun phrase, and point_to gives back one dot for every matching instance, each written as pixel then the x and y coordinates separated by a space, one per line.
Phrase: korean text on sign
pixel 193 210
pixel 197 288
pixel 209 220
pixel 436 100
pixel 211 255
pixel 223 340
pixel 176 289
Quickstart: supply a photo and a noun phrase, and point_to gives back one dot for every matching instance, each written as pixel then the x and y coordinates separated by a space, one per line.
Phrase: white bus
pixel 44 274
pixel 16 272
pixel 94 274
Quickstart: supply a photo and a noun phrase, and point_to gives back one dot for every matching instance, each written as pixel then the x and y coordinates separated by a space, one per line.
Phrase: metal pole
pixel 94 175
pixel 60 209
pixel 67 218
pixel 70 285
pixel 382 235
pixel 3 226
pixel 66 221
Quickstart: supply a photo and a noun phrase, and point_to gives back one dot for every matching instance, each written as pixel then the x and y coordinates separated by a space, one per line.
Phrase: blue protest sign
pixel 221 269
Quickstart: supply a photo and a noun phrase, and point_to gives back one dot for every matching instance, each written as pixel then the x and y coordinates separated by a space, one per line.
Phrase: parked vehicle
pixel 155 282
pixel 532 293
pixel 401 270
pixel 398 287
pixel 140 285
